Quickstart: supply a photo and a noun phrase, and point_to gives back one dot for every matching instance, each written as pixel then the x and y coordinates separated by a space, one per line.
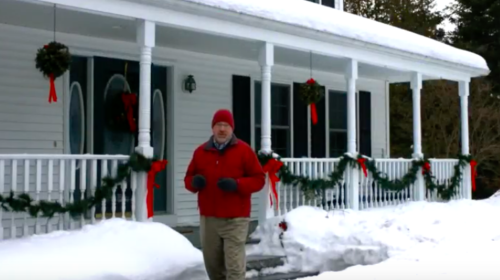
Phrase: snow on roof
pixel 313 16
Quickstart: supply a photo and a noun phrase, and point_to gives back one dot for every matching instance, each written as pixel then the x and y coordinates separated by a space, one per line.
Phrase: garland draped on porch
pixel 314 187
pixel 136 163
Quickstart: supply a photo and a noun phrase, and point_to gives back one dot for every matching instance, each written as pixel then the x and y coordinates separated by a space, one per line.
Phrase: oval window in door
pixel 158 125
pixel 76 119
pixel 116 142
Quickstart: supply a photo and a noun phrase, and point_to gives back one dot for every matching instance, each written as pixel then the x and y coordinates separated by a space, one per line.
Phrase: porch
pixel 100 35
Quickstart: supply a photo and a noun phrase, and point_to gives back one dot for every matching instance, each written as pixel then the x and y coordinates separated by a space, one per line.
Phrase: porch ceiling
pixel 40 16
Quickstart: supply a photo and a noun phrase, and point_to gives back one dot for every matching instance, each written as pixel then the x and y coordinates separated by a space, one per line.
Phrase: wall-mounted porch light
pixel 190 84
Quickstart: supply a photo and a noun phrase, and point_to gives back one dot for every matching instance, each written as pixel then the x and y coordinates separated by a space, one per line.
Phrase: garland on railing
pixel 314 187
pixel 24 203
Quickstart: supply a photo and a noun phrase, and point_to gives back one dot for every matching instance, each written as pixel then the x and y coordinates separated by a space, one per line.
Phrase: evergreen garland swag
pixel 314 187
pixel 24 203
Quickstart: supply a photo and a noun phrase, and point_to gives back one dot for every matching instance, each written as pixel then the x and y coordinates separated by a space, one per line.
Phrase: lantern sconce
pixel 190 84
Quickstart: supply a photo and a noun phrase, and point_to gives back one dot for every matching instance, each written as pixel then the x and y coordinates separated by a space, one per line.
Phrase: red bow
pixel 129 101
pixel 52 92
pixel 473 164
pixel 271 168
pixel 156 167
pixel 314 113
pixel 426 168
pixel 361 162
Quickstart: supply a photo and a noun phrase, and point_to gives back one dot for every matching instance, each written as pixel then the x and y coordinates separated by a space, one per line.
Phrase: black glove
pixel 198 182
pixel 227 184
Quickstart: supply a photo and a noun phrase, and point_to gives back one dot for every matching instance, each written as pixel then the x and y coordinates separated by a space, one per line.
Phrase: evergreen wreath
pixel 53 59
pixel 314 187
pixel 122 112
pixel 311 92
pixel 24 203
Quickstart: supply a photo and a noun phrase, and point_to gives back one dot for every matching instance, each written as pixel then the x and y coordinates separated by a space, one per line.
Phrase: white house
pixel 246 55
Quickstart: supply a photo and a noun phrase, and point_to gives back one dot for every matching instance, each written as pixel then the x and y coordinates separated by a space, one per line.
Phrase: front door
pixel 112 77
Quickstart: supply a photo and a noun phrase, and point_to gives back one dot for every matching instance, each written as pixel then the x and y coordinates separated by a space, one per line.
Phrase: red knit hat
pixel 223 115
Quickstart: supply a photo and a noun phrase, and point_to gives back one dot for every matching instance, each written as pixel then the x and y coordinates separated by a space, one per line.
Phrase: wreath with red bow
pixel 311 93
pixel 122 112
pixel 53 60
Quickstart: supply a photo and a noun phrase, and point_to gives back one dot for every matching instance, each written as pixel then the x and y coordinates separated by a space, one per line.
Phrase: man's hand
pixel 198 182
pixel 227 184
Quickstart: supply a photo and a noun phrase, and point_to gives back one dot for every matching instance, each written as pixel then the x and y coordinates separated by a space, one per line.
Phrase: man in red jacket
pixel 225 172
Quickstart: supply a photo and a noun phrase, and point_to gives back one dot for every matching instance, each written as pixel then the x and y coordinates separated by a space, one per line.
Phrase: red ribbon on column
pixel 156 167
pixel 129 101
pixel 271 168
pixel 52 92
pixel 314 114
pixel 426 168
pixel 473 164
pixel 361 162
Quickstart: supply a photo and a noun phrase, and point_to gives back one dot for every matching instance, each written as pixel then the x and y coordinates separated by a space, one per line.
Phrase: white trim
pixel 82 110
pixel 227 23
pixel 387 153
pixel 253 141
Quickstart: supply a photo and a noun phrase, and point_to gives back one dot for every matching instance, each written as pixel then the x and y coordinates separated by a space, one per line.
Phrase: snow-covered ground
pixel 419 240
pixel 458 240
pixel 112 250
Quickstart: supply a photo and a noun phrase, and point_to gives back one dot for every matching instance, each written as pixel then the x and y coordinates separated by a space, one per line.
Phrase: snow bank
pixel 318 240
pixel 111 250
pixel 313 16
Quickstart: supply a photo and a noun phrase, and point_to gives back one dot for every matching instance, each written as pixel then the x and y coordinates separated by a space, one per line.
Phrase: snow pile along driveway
pixel 317 240
pixel 111 250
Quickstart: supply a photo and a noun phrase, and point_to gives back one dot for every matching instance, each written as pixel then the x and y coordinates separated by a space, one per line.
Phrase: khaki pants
pixel 223 243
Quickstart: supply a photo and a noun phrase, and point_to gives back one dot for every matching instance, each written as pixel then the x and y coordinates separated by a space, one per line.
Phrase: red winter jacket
pixel 237 161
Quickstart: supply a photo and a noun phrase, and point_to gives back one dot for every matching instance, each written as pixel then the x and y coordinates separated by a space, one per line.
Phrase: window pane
pixel 258 101
pixel 337 104
pixel 279 141
pixel 280 104
pixel 76 119
pixel 338 143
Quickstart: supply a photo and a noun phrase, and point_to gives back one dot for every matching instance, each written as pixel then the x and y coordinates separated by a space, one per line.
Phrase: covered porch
pixel 175 39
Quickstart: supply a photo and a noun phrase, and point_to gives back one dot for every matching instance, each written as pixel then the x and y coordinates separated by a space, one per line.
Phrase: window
pixel 337 103
pixel 328 3
pixel 338 122
pixel 280 118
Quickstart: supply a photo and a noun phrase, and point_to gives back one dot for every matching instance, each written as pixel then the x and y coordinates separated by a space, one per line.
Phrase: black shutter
pixel 299 124
pixel 329 3
pixel 318 131
pixel 365 123
pixel 241 107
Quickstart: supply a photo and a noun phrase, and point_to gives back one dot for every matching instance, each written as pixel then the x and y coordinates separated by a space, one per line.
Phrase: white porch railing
pixel 370 194
pixel 63 178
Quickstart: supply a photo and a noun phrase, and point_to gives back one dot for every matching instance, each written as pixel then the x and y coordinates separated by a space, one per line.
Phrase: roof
pixel 324 19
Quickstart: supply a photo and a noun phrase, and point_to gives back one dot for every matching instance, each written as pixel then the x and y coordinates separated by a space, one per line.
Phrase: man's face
pixel 222 132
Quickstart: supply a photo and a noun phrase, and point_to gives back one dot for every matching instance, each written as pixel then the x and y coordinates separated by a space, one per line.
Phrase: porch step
pixel 284 276
pixel 259 262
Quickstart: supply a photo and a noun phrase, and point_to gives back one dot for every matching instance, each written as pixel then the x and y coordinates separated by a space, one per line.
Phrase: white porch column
pixel 266 61
pixel 351 75
pixel 146 41
pixel 416 87
pixel 463 91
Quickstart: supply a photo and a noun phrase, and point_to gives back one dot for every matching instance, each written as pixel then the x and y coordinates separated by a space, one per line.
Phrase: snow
pixel 111 250
pixel 316 17
pixel 419 240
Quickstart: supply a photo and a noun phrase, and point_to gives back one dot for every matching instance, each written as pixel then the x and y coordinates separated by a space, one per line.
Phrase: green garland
pixel 24 203
pixel 315 187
